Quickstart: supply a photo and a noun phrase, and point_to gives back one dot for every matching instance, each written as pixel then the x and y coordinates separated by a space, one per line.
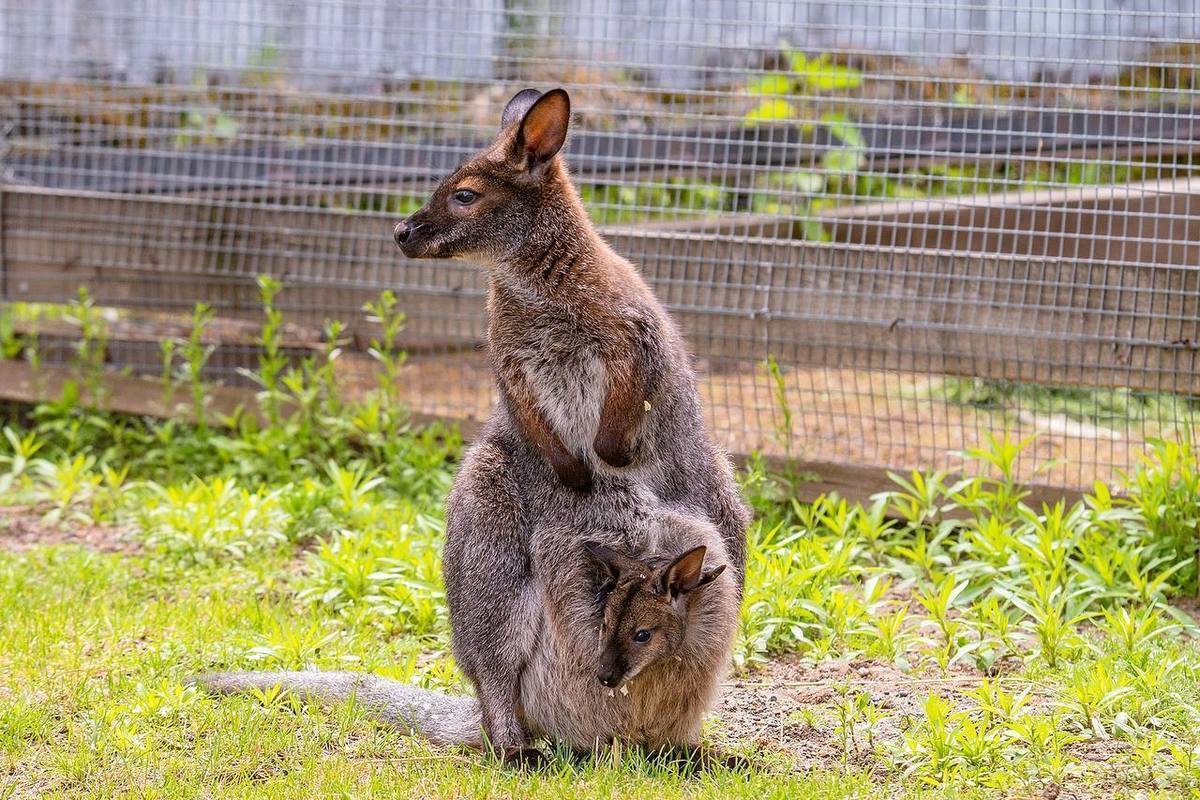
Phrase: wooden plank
pixel 1149 222
pixel 910 139
pixel 169 253
pixel 153 329
pixel 732 282
pixel 1015 317
pixel 144 397
pixel 124 394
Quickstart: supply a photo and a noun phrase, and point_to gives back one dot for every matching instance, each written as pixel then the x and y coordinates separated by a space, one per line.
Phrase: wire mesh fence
pixel 889 228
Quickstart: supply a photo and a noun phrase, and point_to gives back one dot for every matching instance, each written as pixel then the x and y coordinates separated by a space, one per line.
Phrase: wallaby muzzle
pixel 412 237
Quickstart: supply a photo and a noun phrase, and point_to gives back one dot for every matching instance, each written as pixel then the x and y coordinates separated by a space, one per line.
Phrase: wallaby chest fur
pixel 563 347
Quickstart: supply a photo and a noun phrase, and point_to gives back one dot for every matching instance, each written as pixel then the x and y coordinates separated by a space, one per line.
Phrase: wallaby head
pixel 487 206
pixel 646 605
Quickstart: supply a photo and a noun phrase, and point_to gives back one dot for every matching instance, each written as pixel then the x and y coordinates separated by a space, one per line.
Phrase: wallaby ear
pixel 710 575
pixel 615 563
pixel 686 572
pixel 543 129
pixel 609 560
pixel 516 109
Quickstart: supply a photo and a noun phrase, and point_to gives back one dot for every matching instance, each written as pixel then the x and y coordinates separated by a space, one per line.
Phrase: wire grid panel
pixel 890 228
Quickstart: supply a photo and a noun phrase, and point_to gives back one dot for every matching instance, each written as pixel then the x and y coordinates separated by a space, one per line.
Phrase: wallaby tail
pixel 437 717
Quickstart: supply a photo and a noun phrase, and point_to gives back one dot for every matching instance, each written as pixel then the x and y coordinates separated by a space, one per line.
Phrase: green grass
pixel 1023 647
pixel 339 569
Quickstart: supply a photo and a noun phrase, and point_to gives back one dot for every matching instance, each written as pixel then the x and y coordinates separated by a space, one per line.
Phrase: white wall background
pixel 674 43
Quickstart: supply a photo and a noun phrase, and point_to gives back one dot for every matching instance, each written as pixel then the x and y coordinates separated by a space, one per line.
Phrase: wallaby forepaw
pixel 575 474
pixel 613 451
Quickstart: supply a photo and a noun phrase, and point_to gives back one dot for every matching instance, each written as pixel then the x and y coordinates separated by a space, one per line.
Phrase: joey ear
pixel 686 573
pixel 517 107
pixel 543 129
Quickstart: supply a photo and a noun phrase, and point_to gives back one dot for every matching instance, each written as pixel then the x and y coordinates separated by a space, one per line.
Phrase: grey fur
pixel 443 719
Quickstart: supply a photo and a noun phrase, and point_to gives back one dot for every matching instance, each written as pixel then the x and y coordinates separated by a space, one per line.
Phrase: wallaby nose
pixel 608 678
pixel 403 231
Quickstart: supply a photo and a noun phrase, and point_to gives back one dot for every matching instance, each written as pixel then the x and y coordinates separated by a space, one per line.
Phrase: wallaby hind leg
pixel 494 610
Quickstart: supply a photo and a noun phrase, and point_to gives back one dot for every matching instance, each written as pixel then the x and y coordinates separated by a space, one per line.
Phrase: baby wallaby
pixel 627 645
pixel 596 388
pixel 639 653
pixel 645 615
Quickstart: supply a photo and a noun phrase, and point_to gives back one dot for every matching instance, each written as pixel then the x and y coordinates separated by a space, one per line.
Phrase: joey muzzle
pixel 611 671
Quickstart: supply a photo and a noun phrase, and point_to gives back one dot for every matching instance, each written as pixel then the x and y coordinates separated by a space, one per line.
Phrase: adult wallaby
pixel 595 383
pixel 630 628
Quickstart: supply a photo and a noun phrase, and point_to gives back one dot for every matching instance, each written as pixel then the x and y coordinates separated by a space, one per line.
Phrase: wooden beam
pixel 146 397
pixel 859 483
pixel 911 138
pixel 167 253
pixel 1146 223
pixel 1032 317
pixel 124 394
pixel 736 283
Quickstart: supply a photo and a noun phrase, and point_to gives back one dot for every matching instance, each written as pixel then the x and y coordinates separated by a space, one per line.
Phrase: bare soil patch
pixel 790 708
pixel 22 527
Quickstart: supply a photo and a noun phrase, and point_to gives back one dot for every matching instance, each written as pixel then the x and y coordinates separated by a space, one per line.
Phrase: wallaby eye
pixel 464 197
pixel 642 636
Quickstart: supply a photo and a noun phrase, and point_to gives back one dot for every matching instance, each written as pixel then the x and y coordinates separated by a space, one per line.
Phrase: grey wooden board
pixel 929 135
pixel 739 292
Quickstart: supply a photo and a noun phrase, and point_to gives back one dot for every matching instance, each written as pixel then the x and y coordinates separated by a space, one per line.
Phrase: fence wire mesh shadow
pixel 936 220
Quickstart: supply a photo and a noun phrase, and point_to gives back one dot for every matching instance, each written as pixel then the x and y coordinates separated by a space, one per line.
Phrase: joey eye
pixel 642 636
pixel 464 197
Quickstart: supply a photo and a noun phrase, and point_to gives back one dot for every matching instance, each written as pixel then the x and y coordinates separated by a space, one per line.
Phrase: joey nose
pixel 608 678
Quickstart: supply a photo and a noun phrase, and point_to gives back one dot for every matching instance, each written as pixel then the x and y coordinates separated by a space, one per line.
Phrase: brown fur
pixel 559 260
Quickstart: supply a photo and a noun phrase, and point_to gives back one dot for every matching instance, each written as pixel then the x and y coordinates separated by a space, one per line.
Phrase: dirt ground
pixel 842 416
pixel 23 527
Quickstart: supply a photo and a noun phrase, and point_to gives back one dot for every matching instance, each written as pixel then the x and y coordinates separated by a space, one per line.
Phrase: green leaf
pixel 814 231
pixel 844 160
pixel 843 129
pixel 798 61
pixel 771 111
pixel 823 76
pixel 770 84
pixel 225 127
pixel 805 182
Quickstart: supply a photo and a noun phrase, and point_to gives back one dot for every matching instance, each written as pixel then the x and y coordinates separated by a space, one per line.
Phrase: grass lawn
pixel 945 640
